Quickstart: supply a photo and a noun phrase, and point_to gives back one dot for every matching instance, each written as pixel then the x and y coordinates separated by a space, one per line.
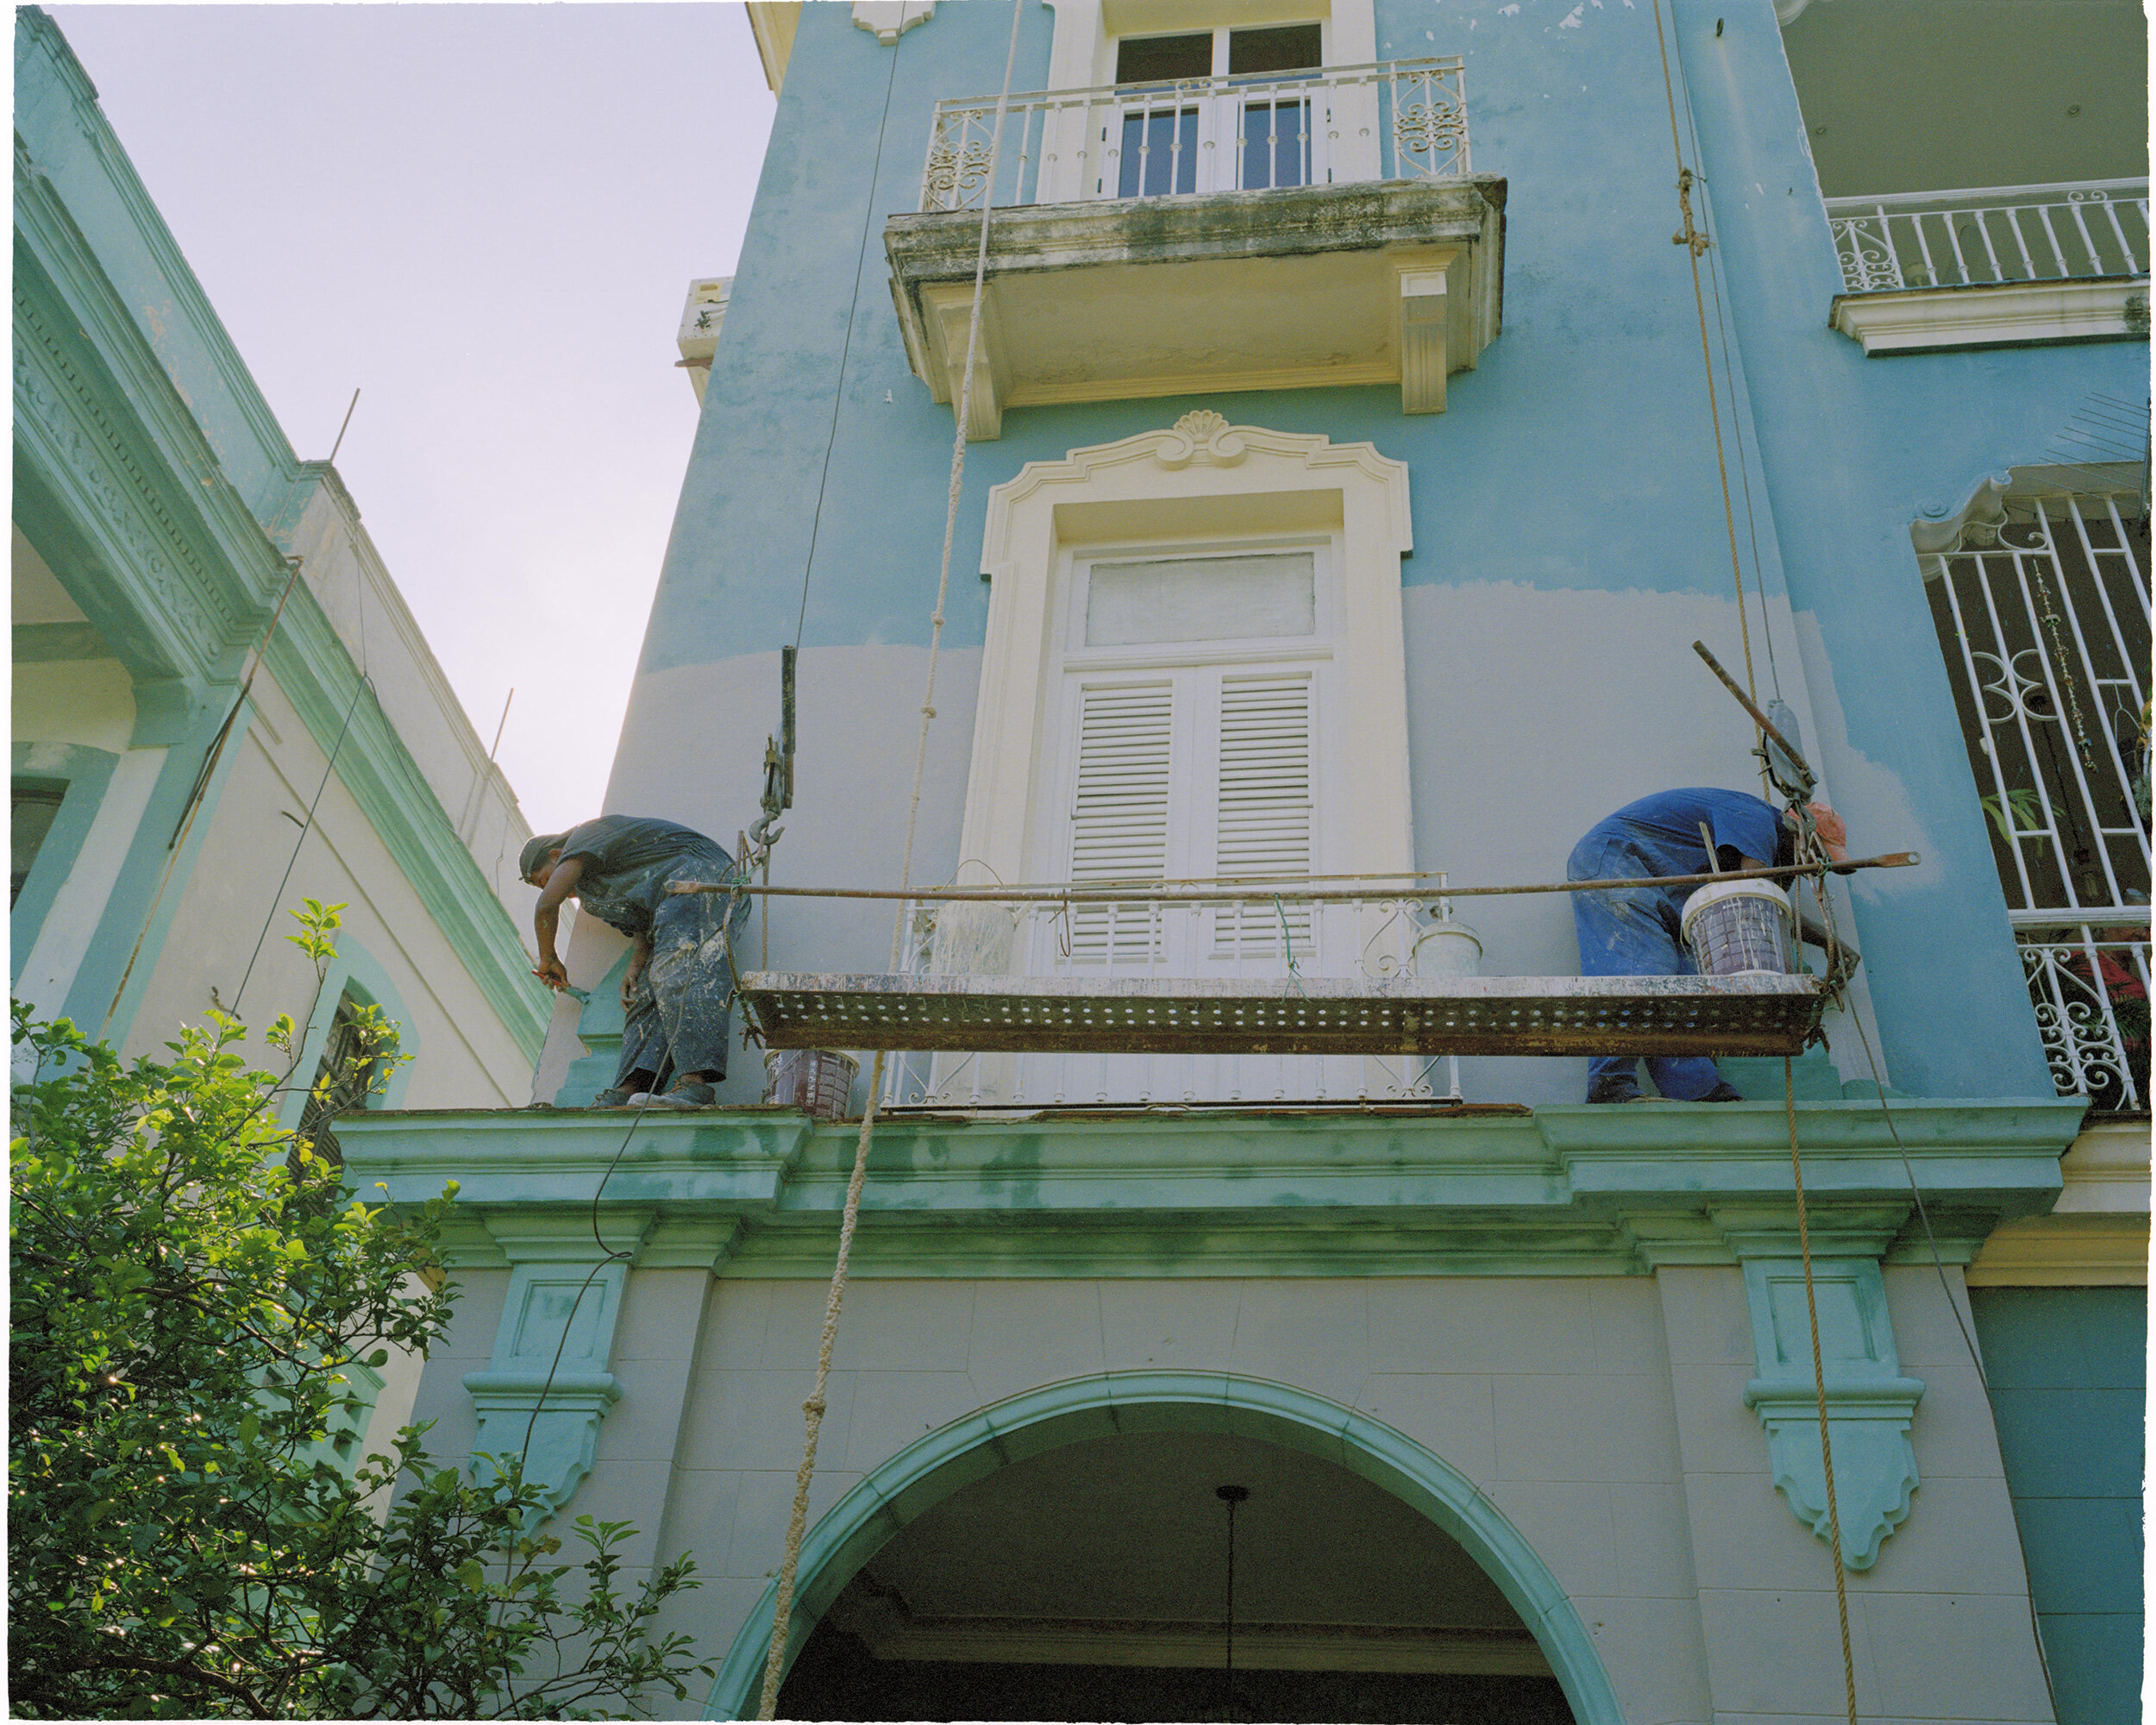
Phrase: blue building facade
pixel 1351 462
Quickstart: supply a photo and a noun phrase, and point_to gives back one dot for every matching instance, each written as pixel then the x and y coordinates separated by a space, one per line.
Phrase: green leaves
pixel 186 1537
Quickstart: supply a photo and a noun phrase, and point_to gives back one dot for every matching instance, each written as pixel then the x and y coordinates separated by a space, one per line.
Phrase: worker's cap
pixel 536 851
pixel 1832 833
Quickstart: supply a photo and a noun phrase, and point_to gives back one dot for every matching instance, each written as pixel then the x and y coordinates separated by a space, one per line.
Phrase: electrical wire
pixel 846 345
pixel 1729 382
pixel 364 686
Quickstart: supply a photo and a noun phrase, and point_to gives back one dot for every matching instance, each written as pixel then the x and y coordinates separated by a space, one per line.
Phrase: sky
pixel 485 218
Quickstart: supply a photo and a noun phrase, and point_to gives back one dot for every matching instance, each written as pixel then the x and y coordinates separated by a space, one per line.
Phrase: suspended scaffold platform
pixel 1538 1015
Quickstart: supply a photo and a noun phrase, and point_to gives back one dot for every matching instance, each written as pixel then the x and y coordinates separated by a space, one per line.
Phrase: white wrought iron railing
pixel 1402 119
pixel 1300 943
pixel 1990 235
pixel 2043 612
pixel 2088 984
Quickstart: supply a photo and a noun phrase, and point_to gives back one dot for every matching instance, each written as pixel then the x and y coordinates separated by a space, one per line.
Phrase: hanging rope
pixel 1695 242
pixel 1819 1378
pixel 814 1409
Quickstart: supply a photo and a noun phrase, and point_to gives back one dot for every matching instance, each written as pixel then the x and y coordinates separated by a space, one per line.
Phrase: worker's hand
pixel 629 978
pixel 553 972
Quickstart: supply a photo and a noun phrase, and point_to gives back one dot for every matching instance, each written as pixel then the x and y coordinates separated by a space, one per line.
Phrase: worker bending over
pixel 679 986
pixel 1638 931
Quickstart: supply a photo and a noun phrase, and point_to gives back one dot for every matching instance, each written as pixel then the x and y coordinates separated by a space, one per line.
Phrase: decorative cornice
pixel 170 597
pixel 1566 1190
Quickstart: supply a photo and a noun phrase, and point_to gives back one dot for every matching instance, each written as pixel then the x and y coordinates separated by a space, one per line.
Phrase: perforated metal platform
pixel 1317 1015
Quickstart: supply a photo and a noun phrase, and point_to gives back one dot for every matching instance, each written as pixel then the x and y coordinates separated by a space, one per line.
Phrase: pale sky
pixel 486 217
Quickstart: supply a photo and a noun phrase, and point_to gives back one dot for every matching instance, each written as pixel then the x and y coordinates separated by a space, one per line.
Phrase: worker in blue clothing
pixel 1638 931
pixel 679 984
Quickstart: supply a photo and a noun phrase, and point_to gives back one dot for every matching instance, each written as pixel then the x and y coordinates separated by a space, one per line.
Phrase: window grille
pixel 354 1060
pixel 2043 615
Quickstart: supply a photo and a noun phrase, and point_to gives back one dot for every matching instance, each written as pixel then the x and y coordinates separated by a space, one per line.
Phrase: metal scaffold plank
pixel 1554 1015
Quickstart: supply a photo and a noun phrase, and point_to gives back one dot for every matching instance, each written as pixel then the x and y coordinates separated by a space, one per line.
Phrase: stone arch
pixel 1114 1403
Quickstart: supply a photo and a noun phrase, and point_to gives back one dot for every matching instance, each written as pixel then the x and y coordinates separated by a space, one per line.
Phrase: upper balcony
pixel 1997 264
pixel 2004 209
pixel 1318 228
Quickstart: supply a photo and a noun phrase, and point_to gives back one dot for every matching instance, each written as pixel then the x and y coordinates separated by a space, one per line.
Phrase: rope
pixel 1695 242
pixel 812 1410
pixel 1153 891
pixel 1819 1378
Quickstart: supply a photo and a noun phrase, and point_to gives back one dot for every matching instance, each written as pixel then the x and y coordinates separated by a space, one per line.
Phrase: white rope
pixel 812 1409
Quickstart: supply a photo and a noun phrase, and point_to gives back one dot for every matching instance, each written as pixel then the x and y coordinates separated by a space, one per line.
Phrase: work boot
pixel 1721 1093
pixel 688 1093
pixel 1615 1091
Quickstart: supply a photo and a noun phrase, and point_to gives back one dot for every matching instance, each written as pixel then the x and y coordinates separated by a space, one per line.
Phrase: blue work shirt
pixel 1742 824
pixel 628 860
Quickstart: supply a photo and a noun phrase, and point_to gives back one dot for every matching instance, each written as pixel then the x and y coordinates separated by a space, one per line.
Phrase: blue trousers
pixel 1637 931
pixel 678 1011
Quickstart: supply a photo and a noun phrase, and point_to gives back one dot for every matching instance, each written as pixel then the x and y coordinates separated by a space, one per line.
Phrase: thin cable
pixel 193 805
pixel 1695 242
pixel 1819 1379
pixel 839 392
pixel 305 827
pixel 813 1408
pixel 1736 416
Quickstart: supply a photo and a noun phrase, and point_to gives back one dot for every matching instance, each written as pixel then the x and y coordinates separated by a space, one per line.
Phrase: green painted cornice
pixel 57 113
pixel 130 449
pixel 1563 1190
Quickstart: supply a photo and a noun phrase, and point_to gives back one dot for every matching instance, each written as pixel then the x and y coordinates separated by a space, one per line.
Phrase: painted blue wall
pixel 2068 1373
pixel 1579 458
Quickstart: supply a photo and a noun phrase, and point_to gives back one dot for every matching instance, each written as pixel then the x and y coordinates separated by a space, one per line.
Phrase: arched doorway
pixel 1302 1450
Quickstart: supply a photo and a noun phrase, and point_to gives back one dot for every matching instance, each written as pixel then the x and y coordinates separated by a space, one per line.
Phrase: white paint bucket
pixel 818 1079
pixel 1447 949
pixel 1738 928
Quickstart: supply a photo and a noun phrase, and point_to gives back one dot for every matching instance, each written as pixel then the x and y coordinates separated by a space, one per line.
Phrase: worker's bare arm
pixel 545 916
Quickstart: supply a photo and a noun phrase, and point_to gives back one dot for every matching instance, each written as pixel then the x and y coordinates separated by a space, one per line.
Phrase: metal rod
pixel 339 444
pixel 1759 717
pixel 1096 894
pixel 499 727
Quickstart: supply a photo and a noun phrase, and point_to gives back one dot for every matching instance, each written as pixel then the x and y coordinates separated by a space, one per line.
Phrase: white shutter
pixel 1119 816
pixel 1263 817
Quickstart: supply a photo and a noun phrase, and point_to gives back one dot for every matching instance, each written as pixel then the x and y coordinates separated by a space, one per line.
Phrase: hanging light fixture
pixel 1231 1496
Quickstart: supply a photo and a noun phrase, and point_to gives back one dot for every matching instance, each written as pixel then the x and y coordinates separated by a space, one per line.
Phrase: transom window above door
pixel 1226 124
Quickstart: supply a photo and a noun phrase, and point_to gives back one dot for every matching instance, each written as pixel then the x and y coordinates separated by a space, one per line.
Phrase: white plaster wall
pixel 1512 765
pixel 347 578
pixel 1603 1417
pixel 1940 1625
pixel 85 701
pixel 466 1058
pixel 691 750
pixel 1551 1395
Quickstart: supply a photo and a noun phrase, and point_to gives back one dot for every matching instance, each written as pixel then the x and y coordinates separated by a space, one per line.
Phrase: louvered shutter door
pixel 1263 820
pixel 1119 818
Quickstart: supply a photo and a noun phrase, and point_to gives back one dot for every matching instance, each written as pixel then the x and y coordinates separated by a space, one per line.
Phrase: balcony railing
pixel 1292 941
pixel 1393 120
pixel 2088 984
pixel 1992 235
